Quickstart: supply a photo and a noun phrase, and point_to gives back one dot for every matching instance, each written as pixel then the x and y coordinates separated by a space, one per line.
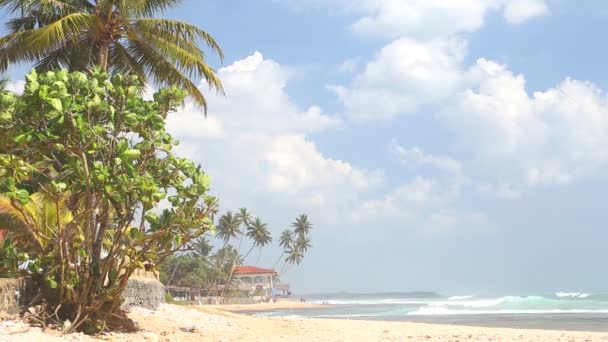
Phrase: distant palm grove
pixel 91 187
pixel 238 235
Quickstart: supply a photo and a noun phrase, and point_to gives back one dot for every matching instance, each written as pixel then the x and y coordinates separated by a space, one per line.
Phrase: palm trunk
pixel 218 267
pixel 259 256
pixel 232 271
pixel 279 260
pixel 102 55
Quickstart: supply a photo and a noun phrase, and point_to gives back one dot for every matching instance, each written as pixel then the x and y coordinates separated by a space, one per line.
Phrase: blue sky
pixel 449 146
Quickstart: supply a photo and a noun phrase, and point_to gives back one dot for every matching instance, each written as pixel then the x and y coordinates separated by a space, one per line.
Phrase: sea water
pixel 561 310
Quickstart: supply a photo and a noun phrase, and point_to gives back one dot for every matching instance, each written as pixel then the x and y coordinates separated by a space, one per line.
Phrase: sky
pixel 453 146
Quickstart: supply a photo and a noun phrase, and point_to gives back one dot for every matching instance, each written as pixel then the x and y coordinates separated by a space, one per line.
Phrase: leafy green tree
pixel 185 270
pixel 93 144
pixel 120 36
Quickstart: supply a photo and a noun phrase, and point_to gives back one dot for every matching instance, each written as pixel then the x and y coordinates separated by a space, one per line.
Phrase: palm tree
pixel 36 221
pixel 258 232
pixel 295 256
pixel 303 243
pixel 228 227
pixel 244 216
pixel 118 36
pixel 202 247
pixel 260 235
pixel 286 241
pixel 302 226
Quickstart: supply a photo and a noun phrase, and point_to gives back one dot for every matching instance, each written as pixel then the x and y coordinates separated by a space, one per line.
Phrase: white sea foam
pixel 572 295
pixel 441 311
pixel 460 297
pixel 385 301
pixel 477 303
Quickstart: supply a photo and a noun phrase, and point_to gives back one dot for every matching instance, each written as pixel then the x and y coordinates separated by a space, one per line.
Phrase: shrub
pixel 85 164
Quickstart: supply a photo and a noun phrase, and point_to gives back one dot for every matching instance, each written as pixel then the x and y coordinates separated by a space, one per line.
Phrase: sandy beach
pixel 280 304
pixel 177 323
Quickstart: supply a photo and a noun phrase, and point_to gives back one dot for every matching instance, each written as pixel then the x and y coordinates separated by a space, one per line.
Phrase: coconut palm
pixel 36 220
pixel 118 36
pixel 286 240
pixel 260 235
pixel 228 227
pixel 202 247
pixel 302 226
pixel 244 216
pixel 258 232
pixel 295 256
pixel 244 219
pixel 303 243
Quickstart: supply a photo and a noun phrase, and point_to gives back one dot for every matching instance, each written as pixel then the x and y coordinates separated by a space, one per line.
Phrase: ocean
pixel 558 311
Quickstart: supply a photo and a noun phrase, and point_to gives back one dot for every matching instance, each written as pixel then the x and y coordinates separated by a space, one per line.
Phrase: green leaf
pixel 22 196
pixel 55 103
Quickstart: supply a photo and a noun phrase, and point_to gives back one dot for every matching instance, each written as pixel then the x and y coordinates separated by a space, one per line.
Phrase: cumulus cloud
pixel 255 144
pixel 279 171
pixel 403 77
pixel 424 206
pixel 519 11
pixel 416 155
pixel 556 136
pixel 427 19
pixel 516 138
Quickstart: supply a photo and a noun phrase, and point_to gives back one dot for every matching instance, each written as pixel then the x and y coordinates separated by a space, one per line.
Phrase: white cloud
pixel 403 77
pixel 557 136
pixel 15 86
pixel 255 144
pixel 279 171
pixel 425 206
pixel 349 65
pixel 417 156
pixel 428 19
pixel 519 11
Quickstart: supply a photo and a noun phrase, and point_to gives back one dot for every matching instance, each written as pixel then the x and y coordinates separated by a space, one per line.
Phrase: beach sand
pixel 279 304
pixel 208 323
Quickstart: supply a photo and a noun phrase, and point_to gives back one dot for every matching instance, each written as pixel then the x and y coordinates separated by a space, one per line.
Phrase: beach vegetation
pixel 118 36
pixel 93 190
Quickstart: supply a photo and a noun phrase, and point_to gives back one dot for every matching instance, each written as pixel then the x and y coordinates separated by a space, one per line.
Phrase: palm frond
pixel 163 71
pixel 180 30
pixel 144 8
pixel 121 61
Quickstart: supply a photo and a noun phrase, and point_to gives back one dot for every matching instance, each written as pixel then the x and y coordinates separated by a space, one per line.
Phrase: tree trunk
pixel 102 55
pixel 232 271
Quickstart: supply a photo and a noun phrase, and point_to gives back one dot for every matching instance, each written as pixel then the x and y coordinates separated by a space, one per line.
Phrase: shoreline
pixel 209 323
pixel 283 304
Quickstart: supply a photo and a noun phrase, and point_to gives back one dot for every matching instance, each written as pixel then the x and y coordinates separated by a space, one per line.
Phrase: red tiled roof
pixel 251 270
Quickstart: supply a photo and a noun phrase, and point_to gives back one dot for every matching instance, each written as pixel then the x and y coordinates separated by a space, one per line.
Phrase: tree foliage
pixel 120 36
pixel 84 163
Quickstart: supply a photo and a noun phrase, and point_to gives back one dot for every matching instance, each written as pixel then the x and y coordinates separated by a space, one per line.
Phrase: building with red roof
pixel 254 279
pixel 252 270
